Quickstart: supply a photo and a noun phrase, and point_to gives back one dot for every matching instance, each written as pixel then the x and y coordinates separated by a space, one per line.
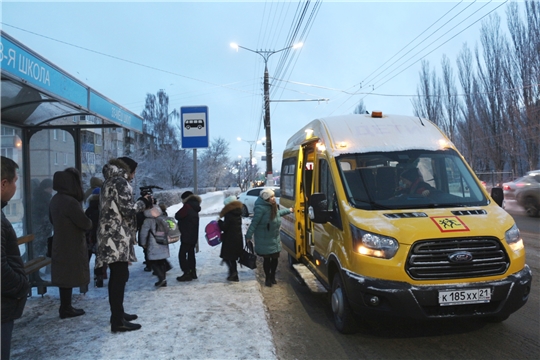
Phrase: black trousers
pixel 270 266
pixel 65 298
pixel 232 266
pixel 186 257
pixel 117 284
pixel 7 331
pixel 159 267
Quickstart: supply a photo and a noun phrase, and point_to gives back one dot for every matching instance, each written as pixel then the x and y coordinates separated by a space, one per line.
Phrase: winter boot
pixel 194 274
pixel 233 277
pixel 186 277
pixel 69 312
pixel 98 281
pixel 161 283
pixel 125 326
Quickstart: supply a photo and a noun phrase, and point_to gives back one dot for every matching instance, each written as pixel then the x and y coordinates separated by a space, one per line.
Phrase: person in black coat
pixel 15 284
pixel 231 238
pixel 100 273
pixel 41 226
pixel 188 224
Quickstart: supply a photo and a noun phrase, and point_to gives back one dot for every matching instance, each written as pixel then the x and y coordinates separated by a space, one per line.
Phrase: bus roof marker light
pixel 443 143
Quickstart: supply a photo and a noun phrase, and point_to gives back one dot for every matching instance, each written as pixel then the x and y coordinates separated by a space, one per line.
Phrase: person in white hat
pixel 265 227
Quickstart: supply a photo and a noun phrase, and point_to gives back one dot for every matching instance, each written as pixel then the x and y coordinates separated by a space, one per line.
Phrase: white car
pixel 248 198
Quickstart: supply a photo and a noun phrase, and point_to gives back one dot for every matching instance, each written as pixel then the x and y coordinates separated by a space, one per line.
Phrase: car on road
pixel 525 191
pixel 248 198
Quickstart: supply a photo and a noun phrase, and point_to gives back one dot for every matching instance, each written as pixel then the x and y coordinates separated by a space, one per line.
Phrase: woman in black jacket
pixel 231 239
pixel 188 224
pixel 69 267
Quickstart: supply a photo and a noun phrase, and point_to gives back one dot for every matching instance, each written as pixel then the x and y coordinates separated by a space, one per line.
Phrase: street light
pixel 250 154
pixel 265 55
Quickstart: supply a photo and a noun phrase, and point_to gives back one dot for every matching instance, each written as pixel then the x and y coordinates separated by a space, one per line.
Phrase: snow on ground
pixel 208 318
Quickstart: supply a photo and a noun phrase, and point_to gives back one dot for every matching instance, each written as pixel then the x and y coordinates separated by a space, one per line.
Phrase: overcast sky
pixel 353 50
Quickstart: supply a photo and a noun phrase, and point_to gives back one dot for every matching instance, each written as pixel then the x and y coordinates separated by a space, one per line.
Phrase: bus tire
pixel 344 318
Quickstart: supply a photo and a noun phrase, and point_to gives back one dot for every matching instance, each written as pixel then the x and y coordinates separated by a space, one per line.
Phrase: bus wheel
pixel 343 316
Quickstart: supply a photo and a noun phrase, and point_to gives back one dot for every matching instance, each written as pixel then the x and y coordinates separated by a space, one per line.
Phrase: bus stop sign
pixel 194 127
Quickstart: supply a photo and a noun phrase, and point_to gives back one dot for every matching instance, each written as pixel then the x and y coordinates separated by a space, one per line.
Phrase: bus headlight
pixel 513 239
pixel 375 245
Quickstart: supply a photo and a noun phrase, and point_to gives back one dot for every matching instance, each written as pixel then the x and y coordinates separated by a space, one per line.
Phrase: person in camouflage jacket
pixel 116 234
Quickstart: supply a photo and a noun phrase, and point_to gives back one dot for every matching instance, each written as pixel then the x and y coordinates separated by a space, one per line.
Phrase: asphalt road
pixel 303 328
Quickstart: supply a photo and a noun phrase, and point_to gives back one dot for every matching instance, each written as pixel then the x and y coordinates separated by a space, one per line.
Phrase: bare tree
pixel 427 104
pixel 161 161
pixel 469 126
pixel 496 121
pixel 360 108
pixel 213 163
pixel 450 99
pixel 492 105
pixel 525 58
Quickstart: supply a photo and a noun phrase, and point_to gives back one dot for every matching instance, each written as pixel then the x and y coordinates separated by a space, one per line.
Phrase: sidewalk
pixel 207 318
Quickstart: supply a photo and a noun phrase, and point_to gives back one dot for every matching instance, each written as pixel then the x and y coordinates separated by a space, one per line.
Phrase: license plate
pixel 468 296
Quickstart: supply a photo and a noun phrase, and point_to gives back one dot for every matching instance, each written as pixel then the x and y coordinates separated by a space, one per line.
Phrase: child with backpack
pixel 157 253
pixel 232 238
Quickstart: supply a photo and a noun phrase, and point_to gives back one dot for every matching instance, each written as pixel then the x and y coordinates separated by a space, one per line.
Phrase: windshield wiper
pixel 373 204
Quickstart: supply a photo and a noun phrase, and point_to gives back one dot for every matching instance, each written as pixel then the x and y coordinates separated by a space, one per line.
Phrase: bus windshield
pixel 408 179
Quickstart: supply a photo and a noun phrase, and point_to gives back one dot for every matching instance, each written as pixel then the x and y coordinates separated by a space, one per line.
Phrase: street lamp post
pixel 265 55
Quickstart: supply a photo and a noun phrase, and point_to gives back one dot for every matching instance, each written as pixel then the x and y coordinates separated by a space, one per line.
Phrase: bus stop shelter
pixel 50 121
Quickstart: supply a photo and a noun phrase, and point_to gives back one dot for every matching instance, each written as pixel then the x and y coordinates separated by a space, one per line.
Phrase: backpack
pixel 167 231
pixel 213 233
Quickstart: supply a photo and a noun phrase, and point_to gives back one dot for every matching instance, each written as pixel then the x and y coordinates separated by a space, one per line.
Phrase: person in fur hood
pixel 116 234
pixel 232 238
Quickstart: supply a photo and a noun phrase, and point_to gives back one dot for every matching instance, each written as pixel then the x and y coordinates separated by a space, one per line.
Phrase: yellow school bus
pixel 391 220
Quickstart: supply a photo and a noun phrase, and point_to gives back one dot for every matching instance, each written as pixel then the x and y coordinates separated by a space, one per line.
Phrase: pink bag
pixel 213 233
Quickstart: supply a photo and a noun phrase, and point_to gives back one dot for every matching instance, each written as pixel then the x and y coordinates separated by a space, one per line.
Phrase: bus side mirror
pixel 497 195
pixel 317 210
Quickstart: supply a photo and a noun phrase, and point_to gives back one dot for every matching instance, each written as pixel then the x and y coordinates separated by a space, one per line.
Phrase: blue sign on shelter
pixel 194 121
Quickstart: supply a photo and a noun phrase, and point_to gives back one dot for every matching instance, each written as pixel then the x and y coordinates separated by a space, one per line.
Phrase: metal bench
pixel 33 265
pixel 37 263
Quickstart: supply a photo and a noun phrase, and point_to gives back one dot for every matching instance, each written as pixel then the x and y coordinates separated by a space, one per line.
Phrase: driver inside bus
pixel 411 182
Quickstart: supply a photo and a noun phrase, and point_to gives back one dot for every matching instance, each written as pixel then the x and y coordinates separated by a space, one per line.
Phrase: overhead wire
pixel 423 56
pixel 441 44
pixel 446 34
pixel 366 79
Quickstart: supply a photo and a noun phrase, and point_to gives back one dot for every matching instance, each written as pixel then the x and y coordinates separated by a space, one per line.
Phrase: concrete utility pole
pixel 265 55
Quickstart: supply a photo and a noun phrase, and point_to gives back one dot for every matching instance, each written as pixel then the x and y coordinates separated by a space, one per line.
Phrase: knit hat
pixel 410 174
pixel 185 195
pixel 229 200
pixel 132 164
pixel 266 194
